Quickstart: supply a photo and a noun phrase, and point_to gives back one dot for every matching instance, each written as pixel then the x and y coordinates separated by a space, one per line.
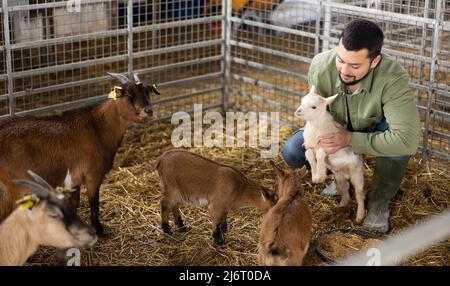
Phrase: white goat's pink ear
pixel 330 99
pixel 312 89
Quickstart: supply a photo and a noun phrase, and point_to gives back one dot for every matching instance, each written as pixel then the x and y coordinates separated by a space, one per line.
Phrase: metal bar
pixel 112 59
pixel 281 122
pixel 267 67
pixel 226 51
pixel 270 51
pixel 104 78
pixel 155 16
pixel 65 105
pixel 434 56
pixel 434 153
pixel 64 67
pixel 50 5
pixel 267 85
pixel 326 28
pixel 83 37
pixel 418 86
pixel 406 55
pixel 178 48
pixel 180 23
pixel 68 39
pixel 440 134
pixel 130 37
pixel 184 96
pixel 272 27
pixel 191 79
pixel 59 86
pixel 261 99
pixel 159 119
pixel 379 14
pixel 9 71
pixel 317 37
pixel 181 64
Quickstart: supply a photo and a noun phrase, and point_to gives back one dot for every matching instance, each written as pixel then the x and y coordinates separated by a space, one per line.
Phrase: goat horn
pixel 40 180
pixel 34 187
pixel 136 78
pixel 120 77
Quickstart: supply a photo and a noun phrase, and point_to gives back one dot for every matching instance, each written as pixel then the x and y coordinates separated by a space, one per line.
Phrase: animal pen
pixel 240 55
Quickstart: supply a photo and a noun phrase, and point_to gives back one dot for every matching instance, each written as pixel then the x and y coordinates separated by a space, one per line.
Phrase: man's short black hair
pixel 362 34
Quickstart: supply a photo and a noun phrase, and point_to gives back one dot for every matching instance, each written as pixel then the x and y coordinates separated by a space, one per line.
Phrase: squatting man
pixel 375 113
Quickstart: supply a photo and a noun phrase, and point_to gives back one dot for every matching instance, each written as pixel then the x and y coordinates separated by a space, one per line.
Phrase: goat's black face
pixel 81 234
pixel 137 106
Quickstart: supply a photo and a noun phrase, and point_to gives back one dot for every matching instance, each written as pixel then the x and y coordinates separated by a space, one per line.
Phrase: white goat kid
pixel 344 164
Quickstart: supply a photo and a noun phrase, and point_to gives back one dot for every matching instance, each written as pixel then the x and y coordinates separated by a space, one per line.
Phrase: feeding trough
pixel 340 243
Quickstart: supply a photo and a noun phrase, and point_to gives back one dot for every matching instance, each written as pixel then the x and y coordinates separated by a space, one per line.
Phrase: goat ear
pixel 330 99
pixel 277 168
pixel 312 89
pixel 269 194
pixel 120 77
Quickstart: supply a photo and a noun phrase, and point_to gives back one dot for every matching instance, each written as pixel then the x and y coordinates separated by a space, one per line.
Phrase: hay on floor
pixel 129 208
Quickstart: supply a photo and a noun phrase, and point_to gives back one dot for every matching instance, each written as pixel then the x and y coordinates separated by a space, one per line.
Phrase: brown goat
pixel 190 178
pixel 286 228
pixel 75 148
pixel 44 218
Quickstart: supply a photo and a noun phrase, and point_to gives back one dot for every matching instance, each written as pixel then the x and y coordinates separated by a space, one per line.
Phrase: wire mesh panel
pixel 62 50
pixel 270 54
pixel 273 43
pixel 178 48
pixel 4 102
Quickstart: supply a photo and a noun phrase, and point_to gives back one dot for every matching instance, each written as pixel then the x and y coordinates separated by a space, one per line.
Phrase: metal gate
pixel 238 55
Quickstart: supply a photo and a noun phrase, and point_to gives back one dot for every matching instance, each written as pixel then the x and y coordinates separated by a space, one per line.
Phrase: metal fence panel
pixel 244 55
pixel 62 50
pixel 273 43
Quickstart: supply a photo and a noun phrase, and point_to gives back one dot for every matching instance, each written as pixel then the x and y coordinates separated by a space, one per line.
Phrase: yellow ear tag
pixel 27 205
pixel 63 192
pixel 24 199
pixel 113 94
pixel 26 202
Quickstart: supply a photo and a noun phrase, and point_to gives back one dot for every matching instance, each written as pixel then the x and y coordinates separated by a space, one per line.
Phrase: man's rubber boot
pixel 387 178
pixel 331 190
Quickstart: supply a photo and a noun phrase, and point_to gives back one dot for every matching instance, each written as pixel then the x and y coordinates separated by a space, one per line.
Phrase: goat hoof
pixel 218 241
pixel 218 238
pixel 166 228
pixel 359 219
pixel 317 180
pixel 343 204
pixel 99 229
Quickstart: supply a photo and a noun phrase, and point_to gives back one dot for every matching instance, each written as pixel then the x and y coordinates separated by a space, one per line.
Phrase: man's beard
pixel 355 81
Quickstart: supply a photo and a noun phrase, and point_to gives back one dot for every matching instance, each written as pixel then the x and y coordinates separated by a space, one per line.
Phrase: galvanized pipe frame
pixel 130 56
pixel 227 42
pixel 434 57
pixel 437 24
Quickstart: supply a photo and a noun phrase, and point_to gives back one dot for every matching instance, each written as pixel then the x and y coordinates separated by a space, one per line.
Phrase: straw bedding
pixel 129 209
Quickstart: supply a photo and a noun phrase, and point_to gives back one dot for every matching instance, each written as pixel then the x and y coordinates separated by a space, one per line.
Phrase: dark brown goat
pixel 286 228
pixel 75 148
